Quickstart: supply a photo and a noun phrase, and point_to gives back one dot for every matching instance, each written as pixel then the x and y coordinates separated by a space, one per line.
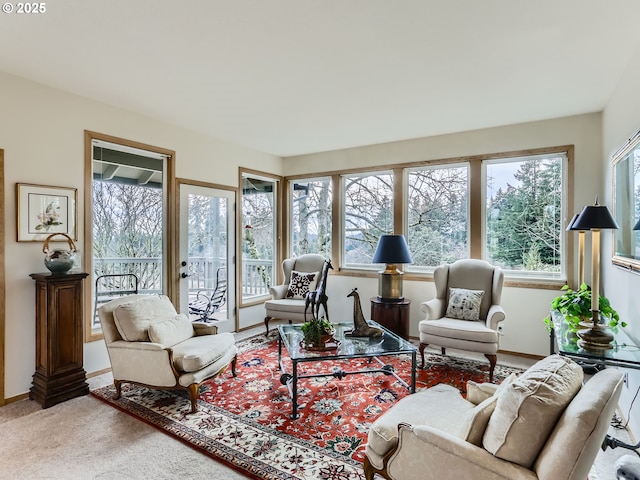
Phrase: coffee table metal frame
pixel 350 347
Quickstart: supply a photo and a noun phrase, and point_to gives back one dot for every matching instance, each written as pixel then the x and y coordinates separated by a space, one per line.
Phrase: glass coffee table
pixel 350 347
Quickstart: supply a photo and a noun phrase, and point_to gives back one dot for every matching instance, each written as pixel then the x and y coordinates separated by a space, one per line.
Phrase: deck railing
pixel 257 275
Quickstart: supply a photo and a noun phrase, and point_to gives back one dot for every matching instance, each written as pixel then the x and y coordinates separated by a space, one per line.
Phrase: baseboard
pixel 17 398
pixel 523 355
pixel 98 372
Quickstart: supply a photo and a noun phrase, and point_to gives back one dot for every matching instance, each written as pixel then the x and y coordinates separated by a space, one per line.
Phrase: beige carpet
pixel 84 438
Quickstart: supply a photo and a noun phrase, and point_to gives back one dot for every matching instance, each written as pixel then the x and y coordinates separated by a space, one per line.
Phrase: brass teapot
pixel 59 261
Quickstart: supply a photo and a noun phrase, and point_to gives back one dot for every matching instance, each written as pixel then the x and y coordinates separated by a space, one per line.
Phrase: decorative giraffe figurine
pixel 360 326
pixel 318 297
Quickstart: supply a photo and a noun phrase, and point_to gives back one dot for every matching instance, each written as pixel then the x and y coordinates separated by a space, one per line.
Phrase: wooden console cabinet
pixel 60 373
pixel 392 315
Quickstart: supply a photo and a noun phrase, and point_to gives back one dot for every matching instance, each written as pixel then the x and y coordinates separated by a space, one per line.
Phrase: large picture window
pixel 311 201
pixel 258 224
pixel 368 214
pixel 524 212
pixel 508 208
pixel 127 215
pixel 437 214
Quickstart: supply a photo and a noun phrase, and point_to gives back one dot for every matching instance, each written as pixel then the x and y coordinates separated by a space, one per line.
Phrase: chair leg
pixel 266 324
pixel 194 389
pixel 233 366
pixel 493 359
pixel 118 385
pixel 422 347
pixel 370 471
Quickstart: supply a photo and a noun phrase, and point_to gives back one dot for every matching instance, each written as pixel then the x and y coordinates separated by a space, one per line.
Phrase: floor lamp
pixel 595 218
pixel 570 227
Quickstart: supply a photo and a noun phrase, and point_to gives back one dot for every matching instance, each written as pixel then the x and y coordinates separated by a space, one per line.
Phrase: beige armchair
pixel 288 299
pixel 466 312
pixel 150 344
pixel 543 425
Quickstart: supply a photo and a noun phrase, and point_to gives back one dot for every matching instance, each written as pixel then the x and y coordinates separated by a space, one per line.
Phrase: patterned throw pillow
pixel 464 304
pixel 301 283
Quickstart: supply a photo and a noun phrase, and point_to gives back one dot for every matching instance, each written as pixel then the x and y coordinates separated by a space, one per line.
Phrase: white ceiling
pixel 297 76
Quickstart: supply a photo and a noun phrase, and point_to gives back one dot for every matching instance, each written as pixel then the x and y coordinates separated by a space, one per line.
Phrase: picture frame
pixel 43 210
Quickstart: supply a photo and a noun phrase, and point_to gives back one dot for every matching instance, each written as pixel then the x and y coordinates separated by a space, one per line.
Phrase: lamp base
pixel 390 284
pixel 595 338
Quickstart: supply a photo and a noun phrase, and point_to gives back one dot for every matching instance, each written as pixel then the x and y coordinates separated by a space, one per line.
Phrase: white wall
pixel 525 308
pixel 42 133
pixel 621 118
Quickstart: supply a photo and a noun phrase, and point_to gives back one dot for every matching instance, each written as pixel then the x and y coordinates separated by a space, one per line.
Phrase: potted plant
pixel 575 306
pixel 318 334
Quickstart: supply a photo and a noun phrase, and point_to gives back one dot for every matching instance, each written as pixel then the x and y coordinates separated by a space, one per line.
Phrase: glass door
pixel 207 270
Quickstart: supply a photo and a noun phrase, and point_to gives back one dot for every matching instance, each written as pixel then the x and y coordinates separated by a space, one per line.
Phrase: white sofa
pixel 149 343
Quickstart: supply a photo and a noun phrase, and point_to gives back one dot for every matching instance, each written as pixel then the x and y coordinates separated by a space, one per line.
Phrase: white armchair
pixel 150 344
pixel 288 300
pixel 466 312
pixel 543 425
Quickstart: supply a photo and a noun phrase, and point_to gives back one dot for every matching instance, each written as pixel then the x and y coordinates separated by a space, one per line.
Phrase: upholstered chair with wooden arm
pixel 300 275
pixel 542 425
pixel 466 312
pixel 150 344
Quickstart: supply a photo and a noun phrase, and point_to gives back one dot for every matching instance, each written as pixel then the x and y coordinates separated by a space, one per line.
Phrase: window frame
pixel 516 275
pixel 290 202
pixel 475 213
pixel 92 333
pixel 278 213
pixel 428 269
pixel 373 267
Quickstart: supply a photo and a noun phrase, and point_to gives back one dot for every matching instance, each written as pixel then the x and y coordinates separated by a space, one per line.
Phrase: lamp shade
pixel 392 249
pixel 573 220
pixel 594 216
pixel 637 226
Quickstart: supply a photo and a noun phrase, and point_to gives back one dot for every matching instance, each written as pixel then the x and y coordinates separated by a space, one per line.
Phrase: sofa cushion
pixel 464 304
pixel 171 331
pixel 476 420
pixel 133 318
pixel 527 410
pixel 453 328
pixel 196 353
pixel 301 283
pixel 440 406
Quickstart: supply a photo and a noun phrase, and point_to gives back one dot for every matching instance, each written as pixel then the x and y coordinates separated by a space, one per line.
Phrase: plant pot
pixel 322 344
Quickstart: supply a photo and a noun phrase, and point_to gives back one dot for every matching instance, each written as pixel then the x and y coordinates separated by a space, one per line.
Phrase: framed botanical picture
pixel 43 210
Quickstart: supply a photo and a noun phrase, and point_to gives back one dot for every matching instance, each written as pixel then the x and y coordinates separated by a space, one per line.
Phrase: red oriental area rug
pixel 245 421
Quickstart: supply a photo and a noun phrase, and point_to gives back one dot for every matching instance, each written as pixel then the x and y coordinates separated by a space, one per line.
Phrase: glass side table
pixel 625 353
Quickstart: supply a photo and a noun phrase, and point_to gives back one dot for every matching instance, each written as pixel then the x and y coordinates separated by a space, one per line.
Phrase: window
pixel 507 208
pixel 368 214
pixel 258 225
pixel 437 214
pixel 524 214
pixel 127 212
pixel 311 202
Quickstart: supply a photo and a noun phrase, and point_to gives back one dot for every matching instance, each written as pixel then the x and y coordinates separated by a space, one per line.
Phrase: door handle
pixel 184 275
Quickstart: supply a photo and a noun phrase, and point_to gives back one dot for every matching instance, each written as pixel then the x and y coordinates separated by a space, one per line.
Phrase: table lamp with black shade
pixel 392 250
pixel 595 218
